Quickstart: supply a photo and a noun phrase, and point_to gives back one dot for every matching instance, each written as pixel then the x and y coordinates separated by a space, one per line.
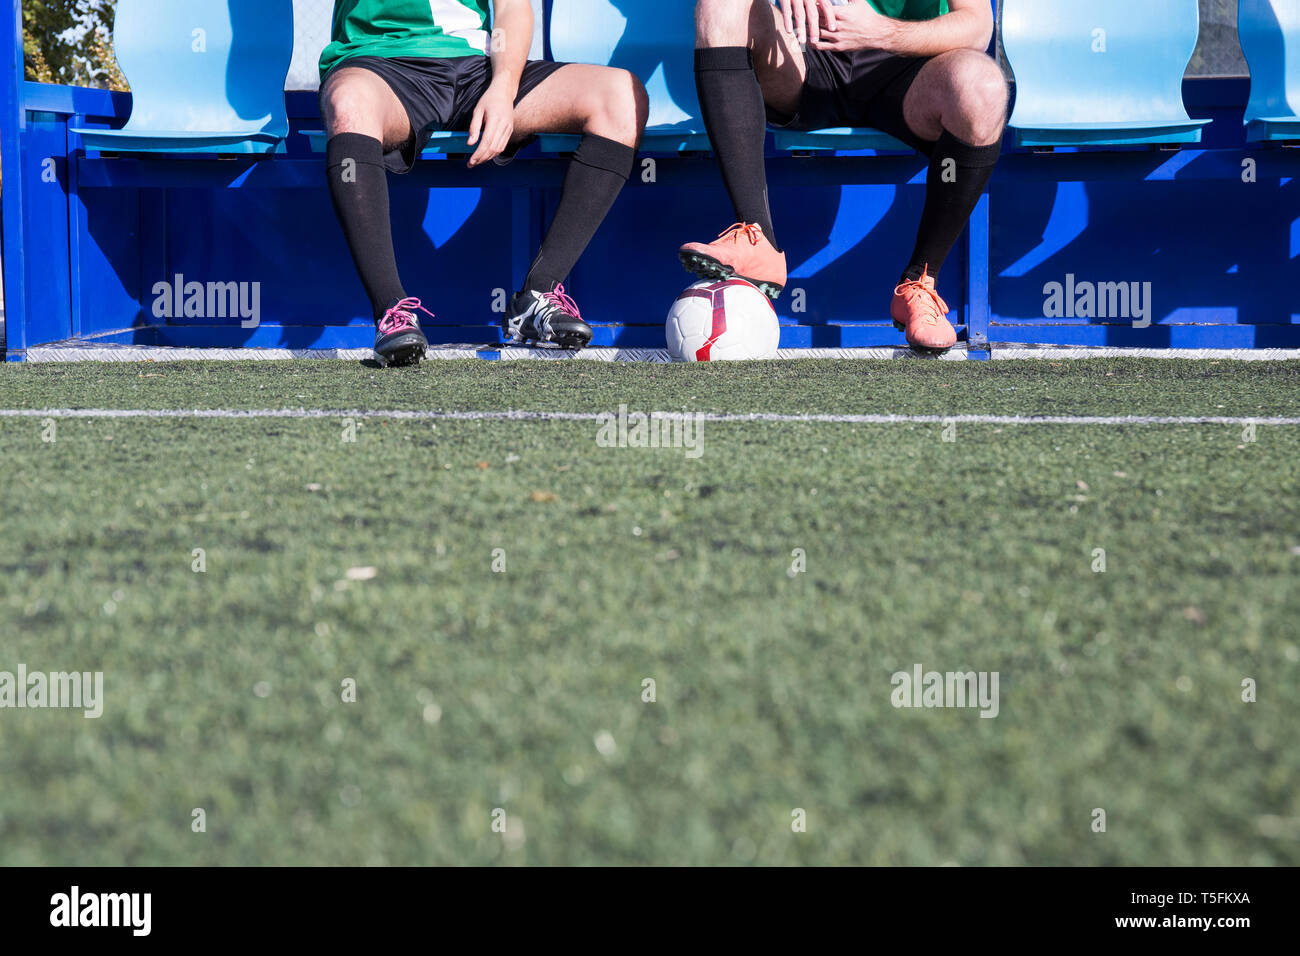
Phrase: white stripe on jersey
pixel 458 20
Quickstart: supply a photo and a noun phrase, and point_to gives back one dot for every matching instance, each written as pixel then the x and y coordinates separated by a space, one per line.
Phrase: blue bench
pixel 1270 38
pixel 1101 72
pixel 207 77
pixel 96 232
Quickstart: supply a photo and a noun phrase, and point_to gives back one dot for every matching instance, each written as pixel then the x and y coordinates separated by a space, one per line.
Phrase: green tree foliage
pixel 69 41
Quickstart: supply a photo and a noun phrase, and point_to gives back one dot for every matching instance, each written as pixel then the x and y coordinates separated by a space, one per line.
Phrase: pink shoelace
pixel 401 317
pixel 560 299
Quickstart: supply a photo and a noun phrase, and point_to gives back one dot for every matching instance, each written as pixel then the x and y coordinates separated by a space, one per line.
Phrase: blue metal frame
pixel 12 331
pixel 978 307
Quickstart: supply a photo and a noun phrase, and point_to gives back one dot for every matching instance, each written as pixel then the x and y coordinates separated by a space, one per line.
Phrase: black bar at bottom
pixel 925 906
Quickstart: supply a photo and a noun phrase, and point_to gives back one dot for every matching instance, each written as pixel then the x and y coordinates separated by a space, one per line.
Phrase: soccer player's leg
pixel 364 119
pixel 958 103
pixel 608 107
pixel 744 63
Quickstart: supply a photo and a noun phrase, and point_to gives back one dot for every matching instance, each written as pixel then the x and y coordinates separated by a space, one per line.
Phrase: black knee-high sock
pixel 359 189
pixel 597 174
pixel 736 120
pixel 956 180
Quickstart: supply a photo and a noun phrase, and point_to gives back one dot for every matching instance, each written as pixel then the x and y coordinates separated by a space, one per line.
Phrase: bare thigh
pixel 778 61
pixel 580 98
pixel 757 24
pixel 961 91
pixel 357 100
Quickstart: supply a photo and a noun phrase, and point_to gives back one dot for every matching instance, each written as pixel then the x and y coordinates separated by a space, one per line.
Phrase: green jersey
pixel 911 9
pixel 394 28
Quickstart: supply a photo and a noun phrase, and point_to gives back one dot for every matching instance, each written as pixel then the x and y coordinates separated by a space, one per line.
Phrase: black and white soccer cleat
pixel 547 318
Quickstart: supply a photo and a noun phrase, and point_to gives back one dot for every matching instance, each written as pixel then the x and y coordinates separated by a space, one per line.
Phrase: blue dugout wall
pixel 1211 229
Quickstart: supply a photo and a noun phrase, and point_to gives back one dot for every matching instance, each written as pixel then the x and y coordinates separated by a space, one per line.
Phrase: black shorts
pixel 856 88
pixel 439 94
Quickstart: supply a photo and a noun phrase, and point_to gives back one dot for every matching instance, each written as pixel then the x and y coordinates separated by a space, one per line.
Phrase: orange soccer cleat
pixel 919 313
pixel 742 252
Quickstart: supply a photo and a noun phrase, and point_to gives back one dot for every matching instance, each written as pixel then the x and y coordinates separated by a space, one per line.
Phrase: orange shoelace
pixel 932 309
pixel 748 229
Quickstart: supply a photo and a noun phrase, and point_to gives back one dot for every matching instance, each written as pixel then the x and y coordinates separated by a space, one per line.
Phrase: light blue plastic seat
pixel 839 138
pixel 654 39
pixel 1270 38
pixel 440 142
pixel 206 76
pixel 1101 72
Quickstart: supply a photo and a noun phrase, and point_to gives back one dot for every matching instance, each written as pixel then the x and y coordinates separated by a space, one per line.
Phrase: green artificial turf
pixel 523 690
pixel 1072 387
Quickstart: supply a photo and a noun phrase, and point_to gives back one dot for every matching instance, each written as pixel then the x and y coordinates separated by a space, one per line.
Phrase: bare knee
pixel 723 22
pixel 617 108
pixel 347 107
pixel 976 99
pixel 353 103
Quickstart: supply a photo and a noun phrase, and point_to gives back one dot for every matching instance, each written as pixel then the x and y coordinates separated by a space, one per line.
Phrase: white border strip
pixel 543 416
pixel 1006 353
pixel 146 353
pixel 86 352
pixel 515 353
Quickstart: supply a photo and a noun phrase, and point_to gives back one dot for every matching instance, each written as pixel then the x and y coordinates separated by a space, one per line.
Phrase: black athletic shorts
pixel 439 94
pixel 855 88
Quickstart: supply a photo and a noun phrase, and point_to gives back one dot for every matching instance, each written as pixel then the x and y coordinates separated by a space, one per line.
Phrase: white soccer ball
pixel 722 320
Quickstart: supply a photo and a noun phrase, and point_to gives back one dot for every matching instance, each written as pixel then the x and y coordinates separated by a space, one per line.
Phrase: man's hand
pixel 806 19
pixel 493 123
pixel 858 27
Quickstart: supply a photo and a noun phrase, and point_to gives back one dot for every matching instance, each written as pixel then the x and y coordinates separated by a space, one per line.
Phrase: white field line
pixel 544 416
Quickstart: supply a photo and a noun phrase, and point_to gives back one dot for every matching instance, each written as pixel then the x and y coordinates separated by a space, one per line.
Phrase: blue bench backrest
pixel 1270 38
pixel 205 65
pixel 1098 62
pixel 655 39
